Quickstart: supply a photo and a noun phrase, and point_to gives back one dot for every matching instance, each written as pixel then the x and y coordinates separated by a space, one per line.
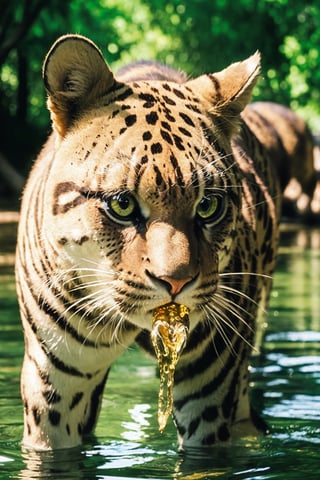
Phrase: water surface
pixel 285 388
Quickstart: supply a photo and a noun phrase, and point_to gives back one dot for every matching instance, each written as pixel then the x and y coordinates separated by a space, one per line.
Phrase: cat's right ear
pixel 229 91
pixel 75 75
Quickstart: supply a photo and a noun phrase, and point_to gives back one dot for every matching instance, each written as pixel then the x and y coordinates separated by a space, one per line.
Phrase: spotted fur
pixel 151 189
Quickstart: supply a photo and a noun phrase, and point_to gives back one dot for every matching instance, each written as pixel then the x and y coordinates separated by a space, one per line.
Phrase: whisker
pixel 214 315
pixel 222 316
pixel 235 274
pixel 240 294
pixel 233 307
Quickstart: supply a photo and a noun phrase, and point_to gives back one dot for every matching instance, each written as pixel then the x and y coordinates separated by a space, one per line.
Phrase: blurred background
pixel 194 35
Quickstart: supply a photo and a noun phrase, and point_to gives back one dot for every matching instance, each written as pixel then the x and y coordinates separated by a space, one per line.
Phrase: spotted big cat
pixel 151 190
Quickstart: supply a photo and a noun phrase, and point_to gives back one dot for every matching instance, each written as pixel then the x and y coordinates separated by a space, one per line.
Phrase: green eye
pixel 211 208
pixel 121 208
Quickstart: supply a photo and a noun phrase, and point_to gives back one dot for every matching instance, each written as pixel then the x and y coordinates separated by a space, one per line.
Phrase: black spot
pixel 167 87
pixel 54 417
pixel 166 136
pixel 210 414
pixel 209 439
pixel 68 429
pixel 62 240
pixel 147 136
pixel 144 159
pixel 185 132
pixel 130 120
pixel 115 113
pixel 193 107
pixel 122 130
pixel 170 117
pixel 36 415
pixel 169 100
pixel 179 93
pixel 152 118
pixel 156 148
pixel 187 119
pixel 223 433
pixel 166 125
pixel 149 99
pixel 82 240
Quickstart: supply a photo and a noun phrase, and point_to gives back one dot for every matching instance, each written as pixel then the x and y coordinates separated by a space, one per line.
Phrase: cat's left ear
pixel 229 91
pixel 76 76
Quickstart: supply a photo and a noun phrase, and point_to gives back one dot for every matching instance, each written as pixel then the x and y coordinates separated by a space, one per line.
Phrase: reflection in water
pixel 66 464
pixel 114 459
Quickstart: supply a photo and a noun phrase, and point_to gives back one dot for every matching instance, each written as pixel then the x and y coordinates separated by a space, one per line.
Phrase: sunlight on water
pixel 285 388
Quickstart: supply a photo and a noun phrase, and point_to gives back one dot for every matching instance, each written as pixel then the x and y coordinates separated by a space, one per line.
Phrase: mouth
pixel 169 335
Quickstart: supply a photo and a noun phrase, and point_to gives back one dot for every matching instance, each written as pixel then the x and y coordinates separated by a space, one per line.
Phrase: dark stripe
pixel 210 387
pixel 228 403
pixel 51 397
pixel 166 136
pixel 94 405
pixel 214 349
pixel 123 96
pixel 193 427
pixel 186 118
pixel 62 188
pixel 177 169
pixel 181 429
pixel 159 178
pixel 62 322
pixel 217 87
pixel 194 179
pixel 76 399
pixel 178 142
pixel 36 415
pixel 60 365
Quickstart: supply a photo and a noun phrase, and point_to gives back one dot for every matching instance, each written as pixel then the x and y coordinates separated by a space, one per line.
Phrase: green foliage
pixel 195 35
